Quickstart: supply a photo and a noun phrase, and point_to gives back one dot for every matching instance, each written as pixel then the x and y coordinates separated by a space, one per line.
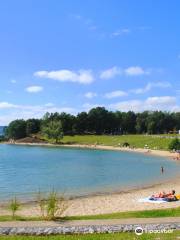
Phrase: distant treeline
pixel 100 121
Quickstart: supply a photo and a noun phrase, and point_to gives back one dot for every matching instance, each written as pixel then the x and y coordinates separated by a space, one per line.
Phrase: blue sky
pixel 72 55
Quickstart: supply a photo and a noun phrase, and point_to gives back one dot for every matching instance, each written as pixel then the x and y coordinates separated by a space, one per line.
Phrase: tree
pixel 53 130
pixel 68 122
pixel 129 122
pixel 32 126
pixel 97 118
pixel 174 144
pixel 16 129
pixel 99 121
pixel 81 123
pixel 141 122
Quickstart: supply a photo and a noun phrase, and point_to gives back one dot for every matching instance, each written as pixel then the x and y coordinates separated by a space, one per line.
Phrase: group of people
pixel 167 196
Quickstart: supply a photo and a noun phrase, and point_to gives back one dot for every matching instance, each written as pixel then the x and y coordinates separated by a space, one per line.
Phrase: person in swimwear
pixel 165 195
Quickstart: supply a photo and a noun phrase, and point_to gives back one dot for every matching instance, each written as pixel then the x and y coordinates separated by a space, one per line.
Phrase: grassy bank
pixel 160 142
pixel 171 212
pixel 117 236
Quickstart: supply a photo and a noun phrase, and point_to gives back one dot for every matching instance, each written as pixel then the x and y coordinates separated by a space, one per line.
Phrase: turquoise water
pixel 26 169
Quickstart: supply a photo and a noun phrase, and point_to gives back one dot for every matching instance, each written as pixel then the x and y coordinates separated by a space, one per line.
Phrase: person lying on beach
pixel 164 195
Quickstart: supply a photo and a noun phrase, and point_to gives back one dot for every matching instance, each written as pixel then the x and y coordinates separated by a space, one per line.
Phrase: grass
pixel 160 142
pixel 117 236
pixel 171 212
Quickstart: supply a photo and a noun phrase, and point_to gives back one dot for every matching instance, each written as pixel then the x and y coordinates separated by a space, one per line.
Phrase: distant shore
pixel 162 153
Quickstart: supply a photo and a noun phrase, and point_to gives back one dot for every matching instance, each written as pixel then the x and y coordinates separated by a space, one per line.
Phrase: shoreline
pixel 109 202
pixel 161 153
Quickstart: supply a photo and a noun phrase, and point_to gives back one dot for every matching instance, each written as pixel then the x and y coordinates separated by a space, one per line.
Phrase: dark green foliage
pixel 100 121
pixel 32 126
pixel 125 144
pixel 16 129
pixel 53 130
pixel 20 128
pixel 174 144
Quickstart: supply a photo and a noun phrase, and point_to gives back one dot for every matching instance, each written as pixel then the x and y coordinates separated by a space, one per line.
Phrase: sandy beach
pixel 161 153
pixel 114 202
pixel 109 203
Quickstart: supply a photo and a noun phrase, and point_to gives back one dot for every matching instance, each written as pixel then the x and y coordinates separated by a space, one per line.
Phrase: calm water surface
pixel 26 169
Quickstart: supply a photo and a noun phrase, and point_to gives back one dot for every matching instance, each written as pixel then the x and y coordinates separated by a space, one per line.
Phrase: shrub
pixel 52 207
pixel 42 203
pixel 174 144
pixel 125 144
pixel 14 206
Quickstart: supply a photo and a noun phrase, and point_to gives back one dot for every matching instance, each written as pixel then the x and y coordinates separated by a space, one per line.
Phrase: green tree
pixel 32 126
pixel 81 122
pixel 16 129
pixel 53 130
pixel 97 118
pixel 174 144
pixel 129 122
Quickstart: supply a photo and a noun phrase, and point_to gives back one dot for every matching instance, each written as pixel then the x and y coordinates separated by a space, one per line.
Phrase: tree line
pixel 97 121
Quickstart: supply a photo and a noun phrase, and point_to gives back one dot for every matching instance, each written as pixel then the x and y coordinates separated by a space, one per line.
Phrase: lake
pixel 26 169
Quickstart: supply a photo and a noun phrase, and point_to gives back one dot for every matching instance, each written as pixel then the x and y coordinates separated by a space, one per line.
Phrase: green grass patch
pixel 117 236
pixel 170 212
pixel 8 218
pixel 160 142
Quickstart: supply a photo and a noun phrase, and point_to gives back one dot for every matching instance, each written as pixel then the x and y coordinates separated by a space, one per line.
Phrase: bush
pixel 14 206
pixel 174 144
pixel 42 203
pixel 52 207
pixel 125 144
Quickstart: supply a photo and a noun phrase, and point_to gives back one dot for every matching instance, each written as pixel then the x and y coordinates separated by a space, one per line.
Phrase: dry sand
pixel 110 203
pixel 115 202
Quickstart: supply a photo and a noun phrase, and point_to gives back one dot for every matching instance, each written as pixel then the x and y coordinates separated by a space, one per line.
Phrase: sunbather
pixel 164 195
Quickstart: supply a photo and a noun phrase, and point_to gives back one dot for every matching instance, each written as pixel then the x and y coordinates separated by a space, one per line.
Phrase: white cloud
pixel 149 86
pixel 88 106
pixel 164 103
pixel 135 71
pixel 110 73
pixel 13 81
pixel 49 105
pixel 34 89
pixel 130 71
pixel 10 112
pixel 131 105
pixel 90 95
pixel 158 101
pixel 120 32
pixel 64 75
pixel 115 94
pixel 6 105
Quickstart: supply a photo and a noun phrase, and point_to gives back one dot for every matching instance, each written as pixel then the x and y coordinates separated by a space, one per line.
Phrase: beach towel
pixel 155 200
pixel 150 200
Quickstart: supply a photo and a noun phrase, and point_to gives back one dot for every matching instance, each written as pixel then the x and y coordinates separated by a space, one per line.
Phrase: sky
pixel 73 55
